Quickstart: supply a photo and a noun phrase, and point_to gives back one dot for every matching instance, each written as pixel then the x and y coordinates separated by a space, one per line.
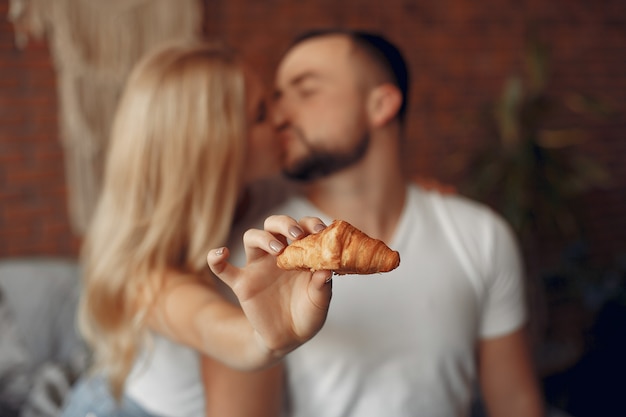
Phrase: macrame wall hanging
pixel 94 44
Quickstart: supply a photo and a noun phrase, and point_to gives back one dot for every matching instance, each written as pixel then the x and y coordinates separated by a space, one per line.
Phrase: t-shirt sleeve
pixel 504 307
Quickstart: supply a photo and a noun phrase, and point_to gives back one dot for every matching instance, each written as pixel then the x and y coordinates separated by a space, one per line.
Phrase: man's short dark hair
pixel 378 48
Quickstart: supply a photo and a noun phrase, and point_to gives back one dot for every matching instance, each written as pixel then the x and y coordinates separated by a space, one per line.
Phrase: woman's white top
pixel 166 379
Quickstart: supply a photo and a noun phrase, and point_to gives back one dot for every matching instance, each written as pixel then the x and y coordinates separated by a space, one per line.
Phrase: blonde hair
pixel 169 193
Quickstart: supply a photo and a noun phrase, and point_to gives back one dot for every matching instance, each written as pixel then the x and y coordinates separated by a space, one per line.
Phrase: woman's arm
pixel 283 309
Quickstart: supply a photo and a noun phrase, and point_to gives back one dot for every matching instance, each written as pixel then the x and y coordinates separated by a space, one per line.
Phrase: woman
pixel 190 132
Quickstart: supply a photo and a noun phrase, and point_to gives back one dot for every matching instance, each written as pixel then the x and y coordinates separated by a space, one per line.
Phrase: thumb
pixel 322 279
pixel 322 289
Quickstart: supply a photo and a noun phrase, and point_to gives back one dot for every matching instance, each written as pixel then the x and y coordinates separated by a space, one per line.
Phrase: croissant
pixel 342 248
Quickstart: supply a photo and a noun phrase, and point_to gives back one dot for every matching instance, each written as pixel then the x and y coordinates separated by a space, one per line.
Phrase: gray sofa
pixel 40 351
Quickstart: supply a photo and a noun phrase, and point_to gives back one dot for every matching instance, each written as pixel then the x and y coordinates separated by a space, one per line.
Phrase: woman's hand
pixel 286 308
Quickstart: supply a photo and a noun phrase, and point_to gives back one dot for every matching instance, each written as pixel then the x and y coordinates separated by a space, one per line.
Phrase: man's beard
pixel 320 163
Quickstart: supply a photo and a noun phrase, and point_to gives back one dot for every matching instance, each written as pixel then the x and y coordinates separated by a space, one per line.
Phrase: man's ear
pixel 384 102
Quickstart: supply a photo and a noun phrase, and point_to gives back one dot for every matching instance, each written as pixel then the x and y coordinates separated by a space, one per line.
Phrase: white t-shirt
pixel 403 343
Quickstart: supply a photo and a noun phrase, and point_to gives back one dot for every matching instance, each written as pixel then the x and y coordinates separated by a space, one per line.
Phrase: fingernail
pixel 295 231
pixel 219 251
pixel 276 246
pixel 319 227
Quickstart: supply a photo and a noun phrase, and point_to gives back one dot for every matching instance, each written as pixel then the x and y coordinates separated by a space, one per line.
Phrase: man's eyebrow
pixel 294 82
pixel 303 77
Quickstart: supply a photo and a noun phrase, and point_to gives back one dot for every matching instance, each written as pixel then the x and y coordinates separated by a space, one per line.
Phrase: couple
pixel 193 130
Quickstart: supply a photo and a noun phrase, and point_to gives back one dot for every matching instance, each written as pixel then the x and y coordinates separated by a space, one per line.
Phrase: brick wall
pixel 33 219
pixel 460 52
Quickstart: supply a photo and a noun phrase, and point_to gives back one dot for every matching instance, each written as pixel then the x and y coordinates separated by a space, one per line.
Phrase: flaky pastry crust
pixel 341 248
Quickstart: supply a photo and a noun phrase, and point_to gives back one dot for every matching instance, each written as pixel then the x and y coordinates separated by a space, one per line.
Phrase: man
pixel 413 341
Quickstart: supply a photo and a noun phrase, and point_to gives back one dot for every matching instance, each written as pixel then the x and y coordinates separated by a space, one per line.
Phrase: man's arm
pixel 233 393
pixel 507 378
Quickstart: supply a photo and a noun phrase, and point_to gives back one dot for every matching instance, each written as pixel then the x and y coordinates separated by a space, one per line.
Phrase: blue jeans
pixel 90 397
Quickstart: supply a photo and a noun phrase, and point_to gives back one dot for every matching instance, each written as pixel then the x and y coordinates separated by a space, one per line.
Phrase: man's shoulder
pixel 455 208
pixel 450 201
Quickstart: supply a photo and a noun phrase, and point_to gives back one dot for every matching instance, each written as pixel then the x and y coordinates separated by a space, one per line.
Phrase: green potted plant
pixel 532 167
